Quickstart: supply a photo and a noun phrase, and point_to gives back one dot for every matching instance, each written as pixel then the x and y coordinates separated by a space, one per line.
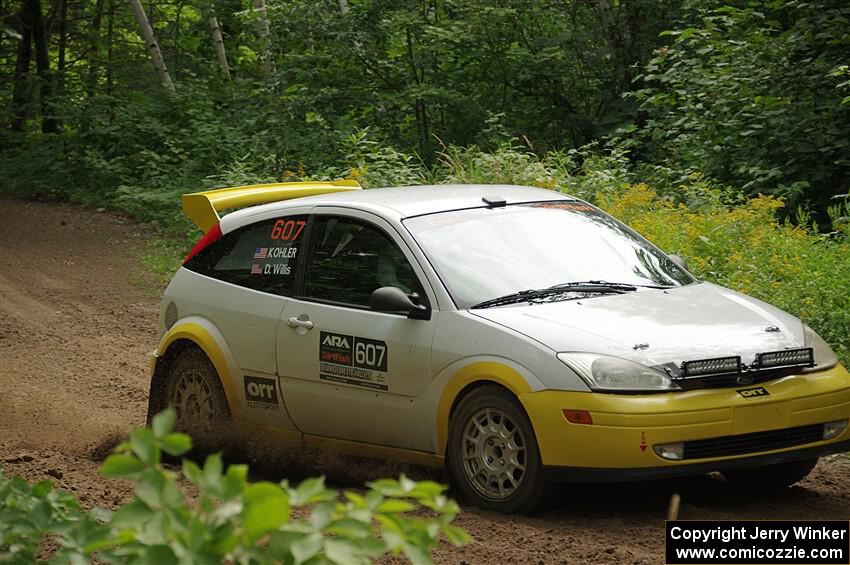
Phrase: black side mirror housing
pixel 393 299
pixel 679 260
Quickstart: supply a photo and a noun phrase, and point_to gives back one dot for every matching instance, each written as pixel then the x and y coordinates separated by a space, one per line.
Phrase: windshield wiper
pixel 595 287
pixel 607 284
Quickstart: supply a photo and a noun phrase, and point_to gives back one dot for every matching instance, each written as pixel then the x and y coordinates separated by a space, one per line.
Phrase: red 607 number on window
pixel 287 230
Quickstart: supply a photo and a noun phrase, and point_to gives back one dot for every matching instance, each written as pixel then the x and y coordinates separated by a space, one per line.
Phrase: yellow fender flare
pixel 486 371
pixel 201 337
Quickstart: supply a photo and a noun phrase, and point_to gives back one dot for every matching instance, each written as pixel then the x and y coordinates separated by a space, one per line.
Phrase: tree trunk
pixel 264 33
pixel 419 107
pixel 611 26
pixel 49 124
pixel 218 43
pixel 21 92
pixel 358 44
pixel 61 63
pixel 63 40
pixel 110 36
pixel 177 40
pixel 152 45
pixel 94 50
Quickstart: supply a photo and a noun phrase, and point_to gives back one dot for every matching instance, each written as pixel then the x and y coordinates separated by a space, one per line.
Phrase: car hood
pixel 655 327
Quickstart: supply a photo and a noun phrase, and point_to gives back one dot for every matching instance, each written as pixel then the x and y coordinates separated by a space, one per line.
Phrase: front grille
pixel 752 443
pixel 729 381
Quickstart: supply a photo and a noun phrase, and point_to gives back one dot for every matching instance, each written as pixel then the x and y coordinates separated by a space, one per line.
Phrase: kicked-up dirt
pixel 78 317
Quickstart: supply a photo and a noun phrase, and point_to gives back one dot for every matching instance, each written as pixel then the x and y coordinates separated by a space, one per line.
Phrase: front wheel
pixel 493 454
pixel 777 476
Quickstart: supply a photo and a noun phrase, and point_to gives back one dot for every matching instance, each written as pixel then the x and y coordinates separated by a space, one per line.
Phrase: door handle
pixel 300 325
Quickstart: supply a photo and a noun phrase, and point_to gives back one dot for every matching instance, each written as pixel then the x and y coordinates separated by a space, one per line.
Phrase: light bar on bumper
pixel 715 366
pixel 770 364
pixel 786 358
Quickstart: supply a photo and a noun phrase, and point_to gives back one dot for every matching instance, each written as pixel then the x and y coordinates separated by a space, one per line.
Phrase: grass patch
pixel 163 256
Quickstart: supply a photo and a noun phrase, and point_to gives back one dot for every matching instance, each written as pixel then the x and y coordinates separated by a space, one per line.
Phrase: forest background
pixel 720 130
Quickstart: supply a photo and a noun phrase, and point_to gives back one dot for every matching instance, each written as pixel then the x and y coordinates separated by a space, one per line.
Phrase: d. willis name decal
pixel 353 360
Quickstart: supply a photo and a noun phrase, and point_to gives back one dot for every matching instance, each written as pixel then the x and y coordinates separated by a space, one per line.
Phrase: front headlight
pixel 825 357
pixel 612 374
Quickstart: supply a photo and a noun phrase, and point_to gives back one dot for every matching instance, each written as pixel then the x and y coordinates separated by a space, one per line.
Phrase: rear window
pixel 261 256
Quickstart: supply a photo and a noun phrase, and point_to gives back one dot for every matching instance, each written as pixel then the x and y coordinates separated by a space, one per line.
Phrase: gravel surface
pixel 78 317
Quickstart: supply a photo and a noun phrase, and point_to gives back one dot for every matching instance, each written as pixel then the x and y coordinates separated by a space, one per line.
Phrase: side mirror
pixel 393 299
pixel 679 260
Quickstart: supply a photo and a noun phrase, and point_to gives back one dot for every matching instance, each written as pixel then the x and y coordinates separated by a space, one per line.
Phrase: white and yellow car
pixel 516 335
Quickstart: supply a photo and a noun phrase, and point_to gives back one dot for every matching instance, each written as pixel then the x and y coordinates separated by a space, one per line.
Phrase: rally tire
pixel 492 453
pixel 194 391
pixel 777 476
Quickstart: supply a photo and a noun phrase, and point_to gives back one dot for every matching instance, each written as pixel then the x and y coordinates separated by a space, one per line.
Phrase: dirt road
pixel 78 318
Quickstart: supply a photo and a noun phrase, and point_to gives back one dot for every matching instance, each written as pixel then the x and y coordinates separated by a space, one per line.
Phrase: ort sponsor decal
pixel 353 360
pixel 261 393
pixel 756 392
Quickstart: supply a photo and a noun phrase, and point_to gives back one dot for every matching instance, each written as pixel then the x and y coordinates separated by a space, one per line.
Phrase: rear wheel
pixel 193 388
pixel 776 476
pixel 493 454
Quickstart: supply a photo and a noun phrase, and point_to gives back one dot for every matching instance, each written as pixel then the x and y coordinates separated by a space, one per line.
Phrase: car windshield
pixel 487 253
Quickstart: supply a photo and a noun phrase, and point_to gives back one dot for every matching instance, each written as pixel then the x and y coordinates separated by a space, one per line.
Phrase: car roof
pixel 397 203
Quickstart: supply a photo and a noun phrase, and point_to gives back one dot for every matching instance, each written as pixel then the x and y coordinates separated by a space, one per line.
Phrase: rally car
pixel 516 335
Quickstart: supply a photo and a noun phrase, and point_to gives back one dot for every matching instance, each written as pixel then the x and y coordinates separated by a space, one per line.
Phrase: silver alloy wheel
pixel 193 401
pixel 494 454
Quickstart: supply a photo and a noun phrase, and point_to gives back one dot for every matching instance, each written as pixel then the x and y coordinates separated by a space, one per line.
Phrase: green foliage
pixel 416 74
pixel 756 97
pixel 584 172
pixel 375 165
pixel 231 519
pixel 28 513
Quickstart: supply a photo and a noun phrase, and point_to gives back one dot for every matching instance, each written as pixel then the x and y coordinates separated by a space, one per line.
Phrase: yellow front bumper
pixel 626 427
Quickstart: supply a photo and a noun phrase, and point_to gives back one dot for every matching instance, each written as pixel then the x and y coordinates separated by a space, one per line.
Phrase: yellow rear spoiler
pixel 203 207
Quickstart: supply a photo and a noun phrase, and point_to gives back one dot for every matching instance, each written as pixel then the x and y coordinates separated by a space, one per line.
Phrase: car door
pixel 347 371
pixel 248 275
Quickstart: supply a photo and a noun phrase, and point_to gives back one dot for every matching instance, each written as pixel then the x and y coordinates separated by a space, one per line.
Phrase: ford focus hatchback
pixel 513 334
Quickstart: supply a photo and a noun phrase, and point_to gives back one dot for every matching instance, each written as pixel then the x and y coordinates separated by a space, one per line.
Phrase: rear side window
pixel 262 256
pixel 350 259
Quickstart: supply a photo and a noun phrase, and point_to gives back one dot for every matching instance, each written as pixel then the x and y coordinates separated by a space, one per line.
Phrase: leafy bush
pixel 583 172
pixel 374 165
pixel 754 94
pixel 28 513
pixel 231 519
